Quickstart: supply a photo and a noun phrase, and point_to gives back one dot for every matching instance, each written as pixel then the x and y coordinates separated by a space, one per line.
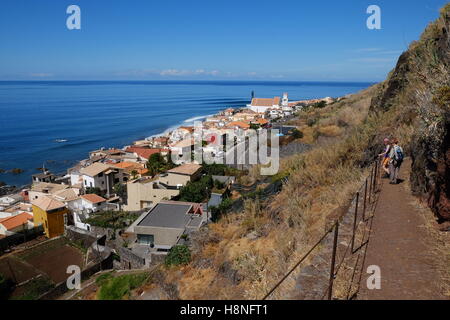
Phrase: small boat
pixel 61 140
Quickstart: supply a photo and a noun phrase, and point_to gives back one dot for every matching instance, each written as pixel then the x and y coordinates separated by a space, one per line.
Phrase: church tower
pixel 285 100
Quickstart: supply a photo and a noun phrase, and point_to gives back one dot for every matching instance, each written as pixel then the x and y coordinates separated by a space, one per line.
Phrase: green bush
pixel 320 104
pixel 178 255
pixel 197 191
pixel 116 288
pixel 102 279
pixel 297 134
pixel 222 208
pixel 35 288
pixel 214 169
pixel 95 190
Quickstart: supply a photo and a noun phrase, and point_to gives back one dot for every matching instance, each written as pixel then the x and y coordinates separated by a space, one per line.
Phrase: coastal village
pixel 135 202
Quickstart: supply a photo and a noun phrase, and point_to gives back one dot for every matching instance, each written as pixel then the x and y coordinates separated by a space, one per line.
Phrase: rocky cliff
pixel 419 91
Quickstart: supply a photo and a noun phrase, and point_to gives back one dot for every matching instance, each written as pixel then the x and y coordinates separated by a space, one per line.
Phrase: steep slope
pixel 419 88
pixel 242 255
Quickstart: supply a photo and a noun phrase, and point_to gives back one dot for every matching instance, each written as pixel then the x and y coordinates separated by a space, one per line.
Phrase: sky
pixel 319 40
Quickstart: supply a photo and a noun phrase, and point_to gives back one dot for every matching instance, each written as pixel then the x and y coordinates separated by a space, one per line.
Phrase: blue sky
pixel 193 39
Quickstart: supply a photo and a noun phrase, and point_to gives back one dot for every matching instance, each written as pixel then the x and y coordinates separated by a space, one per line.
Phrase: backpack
pixel 398 154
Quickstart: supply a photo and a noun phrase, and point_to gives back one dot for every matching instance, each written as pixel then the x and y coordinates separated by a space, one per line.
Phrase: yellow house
pixel 49 213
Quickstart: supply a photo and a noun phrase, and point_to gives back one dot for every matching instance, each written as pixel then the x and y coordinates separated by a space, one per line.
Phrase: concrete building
pixel 183 150
pixel 88 203
pixel 147 192
pixel 16 223
pixel 102 176
pixel 261 105
pixel 51 214
pixel 181 175
pixel 45 176
pixel 163 226
pixel 42 189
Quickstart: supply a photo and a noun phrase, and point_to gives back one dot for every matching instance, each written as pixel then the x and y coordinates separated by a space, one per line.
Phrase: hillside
pixel 419 91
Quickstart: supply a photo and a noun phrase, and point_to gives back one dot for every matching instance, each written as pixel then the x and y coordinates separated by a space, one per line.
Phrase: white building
pixel 102 176
pixel 261 105
pixel 88 203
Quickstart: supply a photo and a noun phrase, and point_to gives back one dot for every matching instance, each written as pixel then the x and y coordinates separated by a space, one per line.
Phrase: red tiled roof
pixel 240 124
pixel 265 102
pixel 145 152
pixel 262 121
pixel 93 198
pixel 15 221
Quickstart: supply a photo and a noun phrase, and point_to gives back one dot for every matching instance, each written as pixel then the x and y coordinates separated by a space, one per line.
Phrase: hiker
pixel 396 158
pixel 385 157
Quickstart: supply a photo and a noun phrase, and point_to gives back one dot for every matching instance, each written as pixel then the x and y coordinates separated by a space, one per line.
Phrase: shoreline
pixel 166 133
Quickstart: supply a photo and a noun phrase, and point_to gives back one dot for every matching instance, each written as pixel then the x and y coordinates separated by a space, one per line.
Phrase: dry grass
pixel 439 242
pixel 251 249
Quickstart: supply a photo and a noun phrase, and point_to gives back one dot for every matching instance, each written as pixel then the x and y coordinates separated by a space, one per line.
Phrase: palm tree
pixel 134 174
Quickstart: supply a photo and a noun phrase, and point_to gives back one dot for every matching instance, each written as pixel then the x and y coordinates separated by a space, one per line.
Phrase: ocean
pixel 95 114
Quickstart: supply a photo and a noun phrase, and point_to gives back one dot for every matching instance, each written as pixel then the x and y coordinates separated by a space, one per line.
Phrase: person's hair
pixel 394 140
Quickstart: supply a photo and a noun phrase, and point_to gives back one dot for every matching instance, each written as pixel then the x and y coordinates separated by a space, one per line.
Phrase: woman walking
pixel 396 158
pixel 385 157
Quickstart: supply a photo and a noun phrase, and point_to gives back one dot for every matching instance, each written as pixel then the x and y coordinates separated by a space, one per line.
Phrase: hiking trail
pixel 400 245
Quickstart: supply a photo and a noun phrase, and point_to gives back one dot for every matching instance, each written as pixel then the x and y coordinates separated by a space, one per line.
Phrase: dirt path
pixel 399 245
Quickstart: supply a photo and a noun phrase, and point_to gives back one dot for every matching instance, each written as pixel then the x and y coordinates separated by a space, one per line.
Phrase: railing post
pixel 354 220
pixel 333 261
pixel 364 203
pixel 370 185
pixel 375 177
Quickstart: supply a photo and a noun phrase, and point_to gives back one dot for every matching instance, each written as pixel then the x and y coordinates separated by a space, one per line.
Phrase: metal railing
pixel 367 193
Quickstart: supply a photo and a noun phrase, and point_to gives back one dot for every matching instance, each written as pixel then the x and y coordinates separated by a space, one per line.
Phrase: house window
pixel 90 184
pixel 146 239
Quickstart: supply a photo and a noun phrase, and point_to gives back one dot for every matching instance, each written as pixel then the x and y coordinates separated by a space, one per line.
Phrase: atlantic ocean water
pixel 87 115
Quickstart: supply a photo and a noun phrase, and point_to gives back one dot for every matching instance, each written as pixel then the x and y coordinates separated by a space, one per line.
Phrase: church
pixel 261 105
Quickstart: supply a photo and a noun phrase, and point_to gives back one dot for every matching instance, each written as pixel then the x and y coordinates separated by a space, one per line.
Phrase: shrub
pixel 214 169
pixel 311 121
pixel 116 288
pixel 330 131
pixel 35 288
pixel 320 104
pixel 297 134
pixel 102 279
pixel 197 191
pixel 222 208
pixel 95 190
pixel 178 255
